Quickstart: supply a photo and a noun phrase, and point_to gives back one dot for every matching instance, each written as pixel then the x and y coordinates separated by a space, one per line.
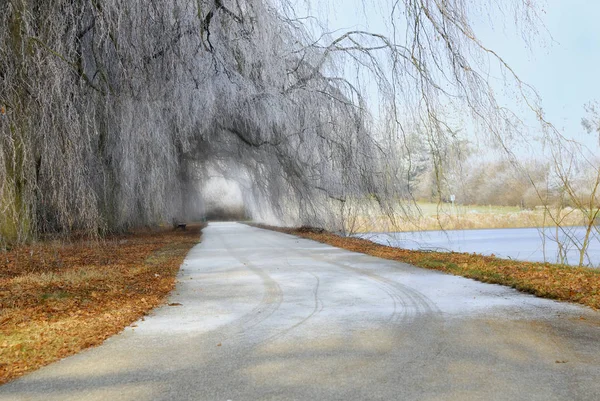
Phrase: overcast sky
pixel 563 64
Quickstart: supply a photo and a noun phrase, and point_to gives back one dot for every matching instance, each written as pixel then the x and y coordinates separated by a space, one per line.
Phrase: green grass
pixel 56 295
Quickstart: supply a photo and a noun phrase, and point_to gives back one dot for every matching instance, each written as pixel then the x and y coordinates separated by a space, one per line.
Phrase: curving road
pixel 268 316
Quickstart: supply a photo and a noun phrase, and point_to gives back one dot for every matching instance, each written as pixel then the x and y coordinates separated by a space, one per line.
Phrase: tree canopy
pixel 114 112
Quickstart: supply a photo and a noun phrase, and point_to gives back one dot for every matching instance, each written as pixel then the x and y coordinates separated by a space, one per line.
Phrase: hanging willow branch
pixel 113 111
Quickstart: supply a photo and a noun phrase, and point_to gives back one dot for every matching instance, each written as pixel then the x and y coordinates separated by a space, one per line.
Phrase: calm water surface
pixel 530 244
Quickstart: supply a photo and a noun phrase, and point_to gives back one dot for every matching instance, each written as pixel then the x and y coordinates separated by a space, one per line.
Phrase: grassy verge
pixel 57 299
pixel 423 216
pixel 564 283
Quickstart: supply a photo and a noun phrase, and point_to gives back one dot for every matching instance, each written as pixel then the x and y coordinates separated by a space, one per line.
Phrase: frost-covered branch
pixel 114 112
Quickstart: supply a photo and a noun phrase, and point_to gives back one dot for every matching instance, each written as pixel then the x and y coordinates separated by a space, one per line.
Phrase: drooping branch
pixel 113 111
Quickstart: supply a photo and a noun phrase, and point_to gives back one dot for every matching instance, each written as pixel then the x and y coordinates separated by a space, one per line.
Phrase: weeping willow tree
pixel 113 111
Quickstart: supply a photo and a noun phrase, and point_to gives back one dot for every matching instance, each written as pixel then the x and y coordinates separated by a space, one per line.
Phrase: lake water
pixel 529 244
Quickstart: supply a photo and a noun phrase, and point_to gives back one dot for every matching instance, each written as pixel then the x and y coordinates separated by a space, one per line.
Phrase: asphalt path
pixel 268 316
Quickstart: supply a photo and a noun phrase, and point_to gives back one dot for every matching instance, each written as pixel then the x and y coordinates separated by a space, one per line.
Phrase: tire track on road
pixel 408 305
pixel 271 300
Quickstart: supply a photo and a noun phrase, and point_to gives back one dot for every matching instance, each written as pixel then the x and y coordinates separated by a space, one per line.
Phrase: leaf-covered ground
pixel 564 283
pixel 58 298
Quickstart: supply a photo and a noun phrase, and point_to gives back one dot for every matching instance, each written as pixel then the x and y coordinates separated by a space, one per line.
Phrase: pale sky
pixel 563 63
pixel 565 70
